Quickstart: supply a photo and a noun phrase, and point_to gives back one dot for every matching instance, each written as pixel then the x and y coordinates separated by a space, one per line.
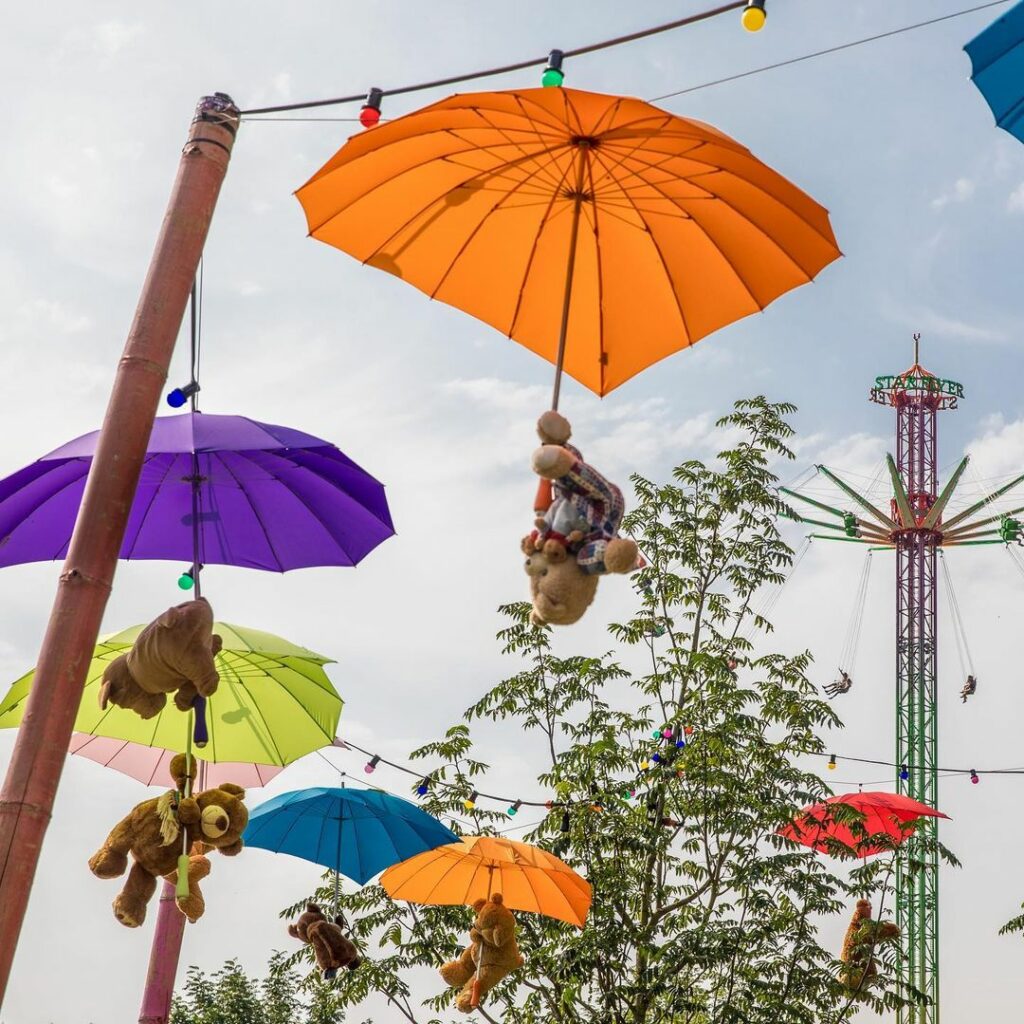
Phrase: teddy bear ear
pixel 497 898
pixel 312 908
pixel 479 904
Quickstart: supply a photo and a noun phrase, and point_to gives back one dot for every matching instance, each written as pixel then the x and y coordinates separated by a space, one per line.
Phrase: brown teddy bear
pixel 575 540
pixel 863 937
pixel 491 955
pixel 155 833
pixel 173 654
pixel 332 949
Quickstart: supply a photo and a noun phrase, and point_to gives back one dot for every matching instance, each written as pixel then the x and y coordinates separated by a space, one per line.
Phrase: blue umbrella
pixel 356 833
pixel 997 58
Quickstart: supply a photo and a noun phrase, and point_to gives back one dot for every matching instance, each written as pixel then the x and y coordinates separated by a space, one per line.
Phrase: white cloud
pixel 963 189
pixel 283 84
pixel 111 37
pixel 1015 201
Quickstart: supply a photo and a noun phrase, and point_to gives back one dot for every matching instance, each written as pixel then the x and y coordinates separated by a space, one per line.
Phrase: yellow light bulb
pixel 753 19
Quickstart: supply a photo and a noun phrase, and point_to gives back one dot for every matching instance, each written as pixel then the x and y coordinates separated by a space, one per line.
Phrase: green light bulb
pixel 185 581
pixel 552 78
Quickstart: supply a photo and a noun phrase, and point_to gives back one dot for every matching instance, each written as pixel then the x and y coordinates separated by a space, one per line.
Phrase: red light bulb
pixel 369 116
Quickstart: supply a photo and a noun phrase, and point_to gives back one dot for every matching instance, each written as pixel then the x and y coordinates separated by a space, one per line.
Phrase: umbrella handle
pixel 181 888
pixel 200 734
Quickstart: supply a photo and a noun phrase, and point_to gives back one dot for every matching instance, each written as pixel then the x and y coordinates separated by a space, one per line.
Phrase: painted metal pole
pixel 26 800
pixel 163 959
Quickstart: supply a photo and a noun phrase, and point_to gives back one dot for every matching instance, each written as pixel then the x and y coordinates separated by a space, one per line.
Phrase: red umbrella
pixel 821 828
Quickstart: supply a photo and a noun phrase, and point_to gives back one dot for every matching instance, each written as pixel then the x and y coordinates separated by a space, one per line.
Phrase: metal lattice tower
pixel 914 528
pixel 917 900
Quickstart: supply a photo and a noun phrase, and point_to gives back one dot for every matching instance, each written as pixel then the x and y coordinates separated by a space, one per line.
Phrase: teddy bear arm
pixel 321 949
pixel 188 811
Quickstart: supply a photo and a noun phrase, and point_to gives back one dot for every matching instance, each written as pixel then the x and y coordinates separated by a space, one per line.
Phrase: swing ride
pixel 914 526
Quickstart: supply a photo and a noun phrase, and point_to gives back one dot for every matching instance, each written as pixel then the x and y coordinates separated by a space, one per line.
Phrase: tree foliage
pixel 230 996
pixel 701 914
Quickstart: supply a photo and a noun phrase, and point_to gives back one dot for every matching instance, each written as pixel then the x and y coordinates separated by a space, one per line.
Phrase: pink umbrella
pixel 151 765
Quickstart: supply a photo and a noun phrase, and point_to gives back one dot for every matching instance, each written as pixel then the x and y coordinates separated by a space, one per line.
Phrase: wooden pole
pixel 26 800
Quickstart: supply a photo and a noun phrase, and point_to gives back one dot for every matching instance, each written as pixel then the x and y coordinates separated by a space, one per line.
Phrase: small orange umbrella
pixel 600 232
pixel 476 867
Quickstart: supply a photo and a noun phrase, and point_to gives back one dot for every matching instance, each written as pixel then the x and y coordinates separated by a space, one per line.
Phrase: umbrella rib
pixel 263 719
pixel 50 497
pixel 255 512
pixel 305 504
pixel 543 221
pixel 509 141
pixel 416 167
pixel 602 360
pixel 480 224
pixel 420 213
pixel 152 500
pixel 732 266
pixel 668 275
pixel 457 857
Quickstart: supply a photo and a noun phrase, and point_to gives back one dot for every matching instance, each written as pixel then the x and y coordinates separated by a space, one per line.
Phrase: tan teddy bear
pixel 863 937
pixel 575 540
pixel 173 654
pixel 155 833
pixel 491 955
pixel 331 947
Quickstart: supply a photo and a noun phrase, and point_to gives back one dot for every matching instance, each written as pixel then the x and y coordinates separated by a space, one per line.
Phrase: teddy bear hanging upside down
pixel 173 654
pixel 576 537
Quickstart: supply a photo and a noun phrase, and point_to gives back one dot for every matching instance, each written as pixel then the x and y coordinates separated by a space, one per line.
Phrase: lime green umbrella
pixel 274 703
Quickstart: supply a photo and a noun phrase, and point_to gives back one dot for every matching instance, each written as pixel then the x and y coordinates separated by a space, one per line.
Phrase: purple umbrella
pixel 269 498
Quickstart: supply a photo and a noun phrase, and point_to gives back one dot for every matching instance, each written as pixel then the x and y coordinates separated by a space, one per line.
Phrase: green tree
pixel 701 914
pixel 230 996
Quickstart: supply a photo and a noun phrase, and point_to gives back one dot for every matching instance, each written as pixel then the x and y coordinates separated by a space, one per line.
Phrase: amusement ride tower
pixel 914 526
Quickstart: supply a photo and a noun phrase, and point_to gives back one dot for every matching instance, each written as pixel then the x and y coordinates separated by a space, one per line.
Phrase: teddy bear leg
pixel 553 428
pixel 464 1000
pixel 111 859
pixel 620 555
pixel 130 905
pixel 552 462
pixel 457 972
pixel 193 906
pixel 184 695
pixel 322 952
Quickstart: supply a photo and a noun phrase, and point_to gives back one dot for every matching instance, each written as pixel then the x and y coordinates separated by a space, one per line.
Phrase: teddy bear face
pixel 561 590
pixel 494 921
pixel 222 816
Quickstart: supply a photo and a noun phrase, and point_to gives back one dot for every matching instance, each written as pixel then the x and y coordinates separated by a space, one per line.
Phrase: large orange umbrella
pixel 476 867
pixel 600 232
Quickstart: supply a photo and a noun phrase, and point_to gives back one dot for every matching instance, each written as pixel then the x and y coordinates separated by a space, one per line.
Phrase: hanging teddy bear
pixel 332 949
pixel 863 937
pixel 575 538
pixel 491 955
pixel 173 654
pixel 156 831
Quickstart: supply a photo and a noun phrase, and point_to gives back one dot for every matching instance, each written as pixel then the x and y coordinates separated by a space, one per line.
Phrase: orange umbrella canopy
pixel 681 230
pixel 476 867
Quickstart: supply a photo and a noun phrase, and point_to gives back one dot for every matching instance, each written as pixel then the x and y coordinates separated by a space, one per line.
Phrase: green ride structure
pixel 914 527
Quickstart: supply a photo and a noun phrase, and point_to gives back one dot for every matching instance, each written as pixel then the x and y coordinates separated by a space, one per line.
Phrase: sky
pixel 927 200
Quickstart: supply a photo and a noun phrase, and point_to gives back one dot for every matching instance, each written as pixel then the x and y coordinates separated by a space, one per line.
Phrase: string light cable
pixel 504 69
pixel 700 16
pixel 627 791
